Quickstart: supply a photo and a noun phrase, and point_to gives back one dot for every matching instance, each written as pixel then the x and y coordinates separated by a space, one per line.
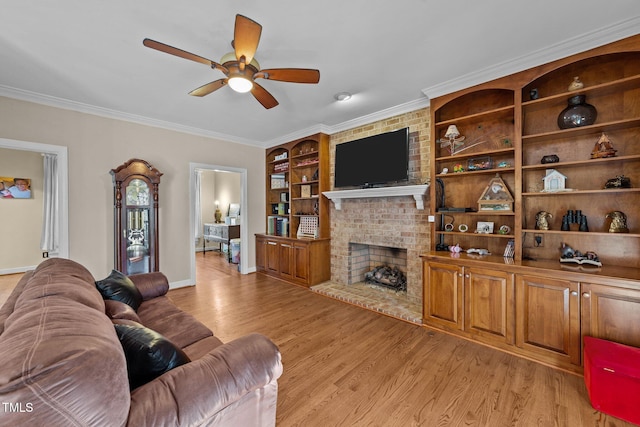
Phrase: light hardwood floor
pixel 347 366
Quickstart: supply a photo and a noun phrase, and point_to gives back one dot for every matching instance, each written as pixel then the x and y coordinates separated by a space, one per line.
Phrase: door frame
pixel 193 168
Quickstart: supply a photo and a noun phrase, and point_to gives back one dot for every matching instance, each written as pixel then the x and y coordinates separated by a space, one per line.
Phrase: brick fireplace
pixel 386 222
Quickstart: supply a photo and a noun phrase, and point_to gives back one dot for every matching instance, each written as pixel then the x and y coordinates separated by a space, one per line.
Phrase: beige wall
pixel 21 218
pixel 97 144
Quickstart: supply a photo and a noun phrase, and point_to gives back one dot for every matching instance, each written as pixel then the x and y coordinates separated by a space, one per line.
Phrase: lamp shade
pixel 452 132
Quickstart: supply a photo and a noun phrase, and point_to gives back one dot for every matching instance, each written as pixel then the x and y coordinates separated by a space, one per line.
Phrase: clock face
pixel 137 193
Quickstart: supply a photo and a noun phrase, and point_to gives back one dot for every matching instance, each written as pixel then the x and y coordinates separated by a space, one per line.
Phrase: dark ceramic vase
pixel 578 113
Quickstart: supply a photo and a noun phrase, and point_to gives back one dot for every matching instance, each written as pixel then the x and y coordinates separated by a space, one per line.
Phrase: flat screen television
pixel 373 161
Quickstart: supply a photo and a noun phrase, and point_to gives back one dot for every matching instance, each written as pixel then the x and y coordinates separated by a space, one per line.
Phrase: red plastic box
pixel 612 377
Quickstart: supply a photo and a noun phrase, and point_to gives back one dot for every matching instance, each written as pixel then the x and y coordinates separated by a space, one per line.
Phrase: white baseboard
pixel 16 270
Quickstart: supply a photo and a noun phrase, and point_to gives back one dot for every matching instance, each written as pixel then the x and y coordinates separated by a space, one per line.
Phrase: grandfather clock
pixel 136 217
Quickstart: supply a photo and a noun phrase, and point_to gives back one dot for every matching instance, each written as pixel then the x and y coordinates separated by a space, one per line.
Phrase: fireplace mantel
pixel 417 191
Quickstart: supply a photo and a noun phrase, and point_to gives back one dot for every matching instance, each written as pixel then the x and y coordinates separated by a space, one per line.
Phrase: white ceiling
pixel 88 55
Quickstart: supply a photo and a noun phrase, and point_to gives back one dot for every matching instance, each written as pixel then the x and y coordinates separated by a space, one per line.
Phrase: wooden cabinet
pixel 548 319
pixel 442 305
pixel 611 313
pixel 477 302
pixel 521 308
pixel 295 246
pixel 489 304
pixel 299 261
pixel 509 126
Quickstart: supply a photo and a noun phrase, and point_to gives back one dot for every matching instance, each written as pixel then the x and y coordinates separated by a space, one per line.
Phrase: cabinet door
pixel 273 257
pixel 301 262
pixel 548 319
pixel 286 260
pixel 611 313
pixel 443 295
pixel 489 301
pixel 261 254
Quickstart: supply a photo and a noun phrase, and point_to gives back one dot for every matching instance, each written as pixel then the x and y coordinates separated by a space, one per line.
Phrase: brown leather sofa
pixel 62 363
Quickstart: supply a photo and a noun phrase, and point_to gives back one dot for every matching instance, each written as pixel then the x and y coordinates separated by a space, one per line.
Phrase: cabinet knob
pixel 466 275
pixel 574 293
pixel 459 274
pixel 586 295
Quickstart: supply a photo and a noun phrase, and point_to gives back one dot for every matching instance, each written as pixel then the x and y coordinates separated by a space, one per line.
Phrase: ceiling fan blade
pixel 265 98
pixel 246 38
pixel 208 88
pixel 293 75
pixel 181 53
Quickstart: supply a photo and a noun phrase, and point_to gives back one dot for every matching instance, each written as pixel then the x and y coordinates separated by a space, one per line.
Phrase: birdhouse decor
pixel 554 181
pixel 496 196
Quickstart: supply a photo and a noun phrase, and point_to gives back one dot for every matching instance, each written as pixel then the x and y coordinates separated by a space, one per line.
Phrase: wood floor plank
pixel 347 366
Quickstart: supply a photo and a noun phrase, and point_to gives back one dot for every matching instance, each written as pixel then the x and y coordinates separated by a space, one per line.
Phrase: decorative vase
pixel 578 113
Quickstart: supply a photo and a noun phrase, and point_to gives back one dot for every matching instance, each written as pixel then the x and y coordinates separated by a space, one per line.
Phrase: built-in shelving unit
pixel 296 175
pixel 532 304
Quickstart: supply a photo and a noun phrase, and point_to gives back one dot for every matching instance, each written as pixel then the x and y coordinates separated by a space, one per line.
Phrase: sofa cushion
pixel 148 353
pixel 119 310
pixel 163 316
pixel 119 287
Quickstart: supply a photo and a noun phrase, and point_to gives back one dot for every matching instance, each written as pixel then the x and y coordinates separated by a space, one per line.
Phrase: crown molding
pixel 382 115
pixel 581 43
pixel 353 123
pixel 66 104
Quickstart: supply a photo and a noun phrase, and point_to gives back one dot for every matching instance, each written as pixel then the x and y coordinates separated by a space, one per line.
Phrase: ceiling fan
pixel 240 67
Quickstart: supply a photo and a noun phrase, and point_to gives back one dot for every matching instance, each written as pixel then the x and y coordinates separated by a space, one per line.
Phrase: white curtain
pixel 197 232
pixel 50 232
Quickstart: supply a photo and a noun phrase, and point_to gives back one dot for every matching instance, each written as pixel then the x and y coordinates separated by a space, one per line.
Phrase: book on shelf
pixel 579 260
pixel 277 226
pixel 305 191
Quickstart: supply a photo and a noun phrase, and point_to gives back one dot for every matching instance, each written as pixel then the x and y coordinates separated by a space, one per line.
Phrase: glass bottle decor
pixel 578 113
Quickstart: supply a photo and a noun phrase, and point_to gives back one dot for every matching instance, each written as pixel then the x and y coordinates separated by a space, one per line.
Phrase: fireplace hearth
pixel 389 277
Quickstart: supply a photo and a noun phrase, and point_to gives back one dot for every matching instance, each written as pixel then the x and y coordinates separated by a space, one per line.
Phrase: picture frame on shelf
pixel 483 227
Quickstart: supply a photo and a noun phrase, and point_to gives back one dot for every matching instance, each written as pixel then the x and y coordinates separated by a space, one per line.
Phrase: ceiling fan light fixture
pixel 240 84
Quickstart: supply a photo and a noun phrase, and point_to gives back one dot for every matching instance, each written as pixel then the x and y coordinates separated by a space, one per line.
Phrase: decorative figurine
pixel 542 220
pixel 603 148
pixel 619 181
pixel 576 84
pixel 550 158
pixel 533 94
pixel 570 256
pixel 618 222
pixel 554 181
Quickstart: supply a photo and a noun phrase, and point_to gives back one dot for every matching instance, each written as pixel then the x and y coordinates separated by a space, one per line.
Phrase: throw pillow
pixel 119 287
pixel 119 310
pixel 148 353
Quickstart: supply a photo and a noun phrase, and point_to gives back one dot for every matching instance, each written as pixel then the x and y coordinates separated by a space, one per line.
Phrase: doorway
pixel 63 195
pixel 223 201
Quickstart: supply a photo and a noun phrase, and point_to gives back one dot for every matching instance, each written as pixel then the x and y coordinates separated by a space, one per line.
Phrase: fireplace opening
pixel 389 277
pixel 378 265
